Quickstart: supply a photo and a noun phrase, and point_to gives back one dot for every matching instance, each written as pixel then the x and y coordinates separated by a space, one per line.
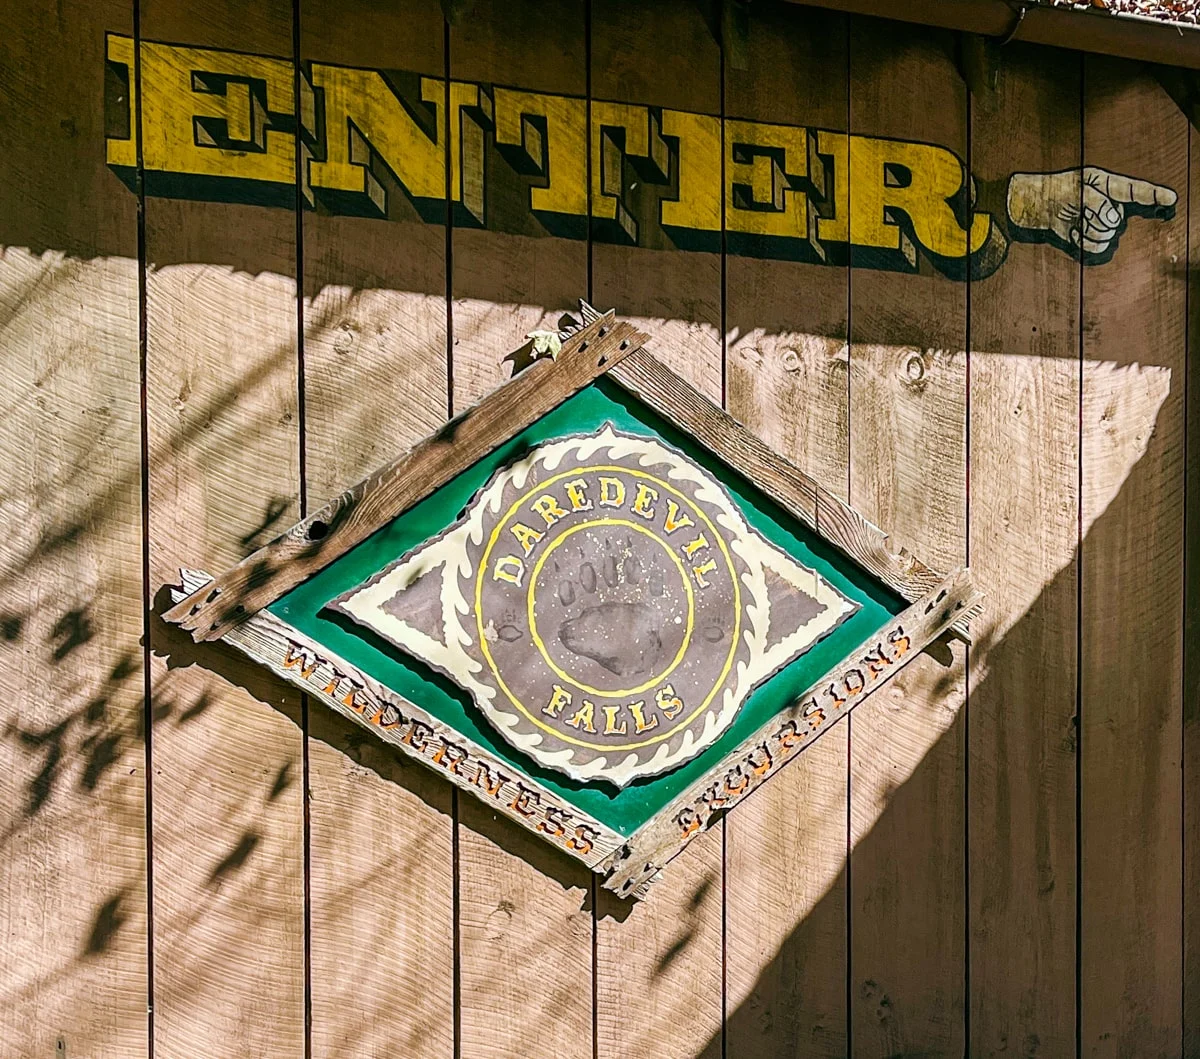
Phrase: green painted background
pixel 624 810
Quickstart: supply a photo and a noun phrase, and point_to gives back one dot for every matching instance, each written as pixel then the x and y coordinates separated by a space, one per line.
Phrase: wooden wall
pixel 996 855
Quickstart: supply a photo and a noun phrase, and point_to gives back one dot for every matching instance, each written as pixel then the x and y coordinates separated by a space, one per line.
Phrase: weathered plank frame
pixel 349 519
pixel 231 606
pixel 629 865
pixel 319 672
pixel 633 867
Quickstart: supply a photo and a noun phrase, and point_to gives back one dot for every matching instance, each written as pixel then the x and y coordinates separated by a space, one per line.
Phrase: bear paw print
pixel 614 602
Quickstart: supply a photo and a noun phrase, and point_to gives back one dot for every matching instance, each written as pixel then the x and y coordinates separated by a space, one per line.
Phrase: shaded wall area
pixel 995 855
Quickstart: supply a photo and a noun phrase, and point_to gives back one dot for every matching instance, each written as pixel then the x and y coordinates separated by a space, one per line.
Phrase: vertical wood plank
pixel 528 266
pixel 662 55
pixel 1134 344
pixel 1024 530
pixel 650 955
pixel 224 473
pixel 382 872
pixel 1191 631
pixel 524 926
pixel 908 390
pixel 785 949
pixel 73 927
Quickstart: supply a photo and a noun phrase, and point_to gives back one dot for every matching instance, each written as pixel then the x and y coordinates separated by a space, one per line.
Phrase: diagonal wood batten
pixel 332 531
pixel 414 733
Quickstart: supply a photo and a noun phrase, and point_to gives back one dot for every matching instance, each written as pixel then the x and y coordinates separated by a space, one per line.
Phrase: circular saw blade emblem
pixel 605 604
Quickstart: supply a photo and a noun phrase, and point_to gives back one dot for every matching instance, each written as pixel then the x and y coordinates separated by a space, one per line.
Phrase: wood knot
pixel 499 921
pixel 914 369
pixel 343 340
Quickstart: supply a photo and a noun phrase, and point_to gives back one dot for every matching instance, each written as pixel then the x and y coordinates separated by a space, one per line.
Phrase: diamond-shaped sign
pixel 605 604
pixel 593 601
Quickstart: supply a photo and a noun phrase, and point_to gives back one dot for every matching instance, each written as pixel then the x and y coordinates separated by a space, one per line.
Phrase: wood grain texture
pixel 224 463
pixel 381 855
pixel 787 368
pixel 1134 329
pixel 522 274
pixel 662 54
pixel 73 925
pixel 1191 634
pixel 1024 530
pixel 525 924
pixel 651 953
pixel 331 531
pixel 669 947
pixel 908 390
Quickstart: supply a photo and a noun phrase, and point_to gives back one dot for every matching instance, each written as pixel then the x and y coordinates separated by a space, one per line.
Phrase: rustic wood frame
pixel 231 606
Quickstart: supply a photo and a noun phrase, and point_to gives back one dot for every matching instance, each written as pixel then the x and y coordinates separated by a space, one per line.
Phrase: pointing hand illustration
pixel 1083 211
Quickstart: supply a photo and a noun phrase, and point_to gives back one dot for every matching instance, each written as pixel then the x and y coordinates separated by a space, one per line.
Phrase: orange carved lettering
pixel 688 821
pixel 451 752
pixel 556 822
pixel 584 839
pixel 814 714
pixel 859 681
pixel 417 733
pixel 487 782
pixel 301 657
pixel 789 734
pixel 525 801
pixel 762 766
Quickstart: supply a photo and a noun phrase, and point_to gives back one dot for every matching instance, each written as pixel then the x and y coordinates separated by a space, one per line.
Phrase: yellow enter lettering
pixel 208 113
pixel 894 181
pixel 227 115
pixel 122 150
pixel 765 162
pixel 364 120
pixel 546 137
pixel 698 206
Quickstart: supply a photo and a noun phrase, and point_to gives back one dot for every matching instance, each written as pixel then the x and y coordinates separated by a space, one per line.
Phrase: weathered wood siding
pixel 226 295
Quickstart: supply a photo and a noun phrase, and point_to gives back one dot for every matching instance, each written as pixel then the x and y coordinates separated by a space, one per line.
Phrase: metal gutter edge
pixel 1092 29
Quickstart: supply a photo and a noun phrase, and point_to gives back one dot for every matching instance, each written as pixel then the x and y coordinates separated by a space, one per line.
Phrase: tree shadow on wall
pixel 1022 857
pixel 1013 748
pixel 1007 726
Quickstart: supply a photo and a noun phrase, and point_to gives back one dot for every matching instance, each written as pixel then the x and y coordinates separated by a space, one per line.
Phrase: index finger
pixel 1121 188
